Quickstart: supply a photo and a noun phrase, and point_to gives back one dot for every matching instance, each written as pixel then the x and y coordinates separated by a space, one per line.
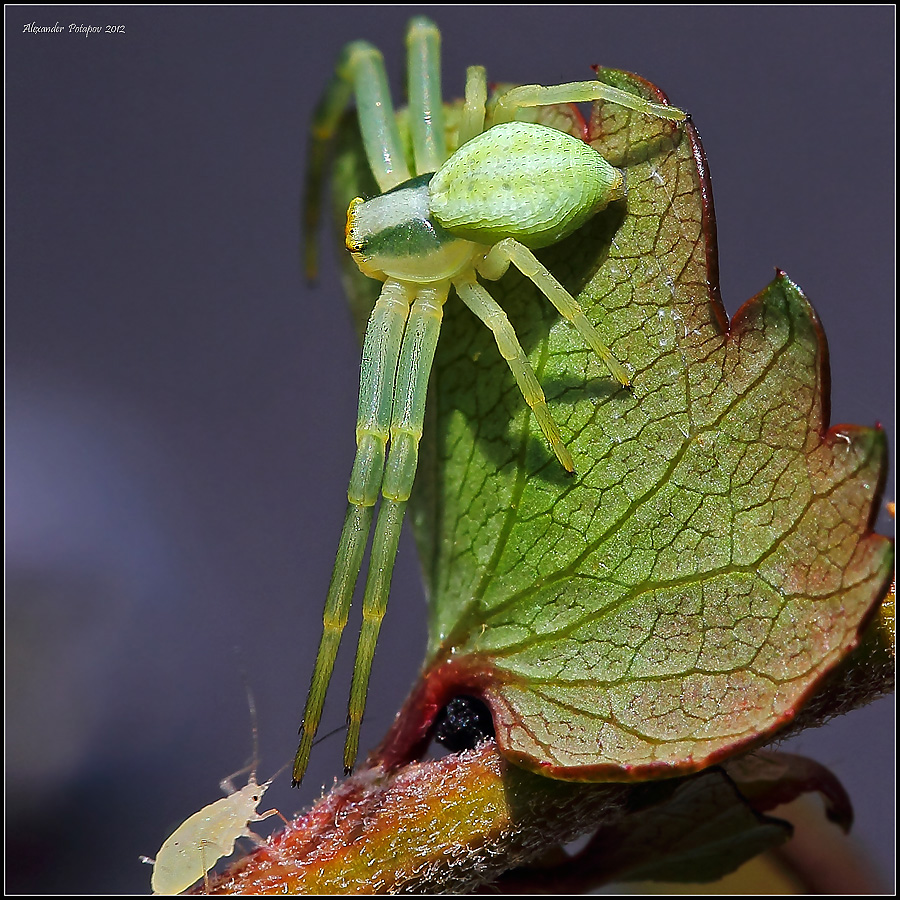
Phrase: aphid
pixel 509 187
pixel 209 835
pixel 463 724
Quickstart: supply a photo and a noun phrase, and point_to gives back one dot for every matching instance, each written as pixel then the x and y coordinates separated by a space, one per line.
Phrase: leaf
pixel 712 561
pixel 769 779
pixel 703 831
pixel 451 824
pixel 694 829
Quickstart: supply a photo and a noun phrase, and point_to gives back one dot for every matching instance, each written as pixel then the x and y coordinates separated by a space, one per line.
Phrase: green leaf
pixel 712 560
pixel 693 829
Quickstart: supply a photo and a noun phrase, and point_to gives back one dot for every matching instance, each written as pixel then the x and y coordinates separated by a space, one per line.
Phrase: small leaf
pixel 770 779
pixel 695 829
pixel 703 832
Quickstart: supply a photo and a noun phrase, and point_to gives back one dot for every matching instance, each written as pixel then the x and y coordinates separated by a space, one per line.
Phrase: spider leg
pixel 472 122
pixel 491 313
pixel 381 352
pixel 426 107
pixel 416 358
pixel 360 73
pixel 507 251
pixel 577 92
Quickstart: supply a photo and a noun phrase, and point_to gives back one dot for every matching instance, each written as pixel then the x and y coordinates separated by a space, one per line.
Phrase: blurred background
pixel 181 403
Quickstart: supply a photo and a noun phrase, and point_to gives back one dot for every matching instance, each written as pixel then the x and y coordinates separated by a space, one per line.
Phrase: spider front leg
pixel 494 266
pixel 577 92
pixel 491 313
pixel 381 353
pixel 416 358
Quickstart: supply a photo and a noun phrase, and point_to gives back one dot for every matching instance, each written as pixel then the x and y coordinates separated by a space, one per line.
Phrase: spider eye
pixel 463 724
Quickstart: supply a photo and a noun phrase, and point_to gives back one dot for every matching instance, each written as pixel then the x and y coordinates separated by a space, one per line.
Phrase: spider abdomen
pixel 524 181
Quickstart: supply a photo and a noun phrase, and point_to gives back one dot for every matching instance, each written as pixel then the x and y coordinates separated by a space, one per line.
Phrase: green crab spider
pixel 508 189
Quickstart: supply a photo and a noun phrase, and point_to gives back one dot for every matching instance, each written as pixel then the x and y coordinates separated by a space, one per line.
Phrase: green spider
pixel 508 188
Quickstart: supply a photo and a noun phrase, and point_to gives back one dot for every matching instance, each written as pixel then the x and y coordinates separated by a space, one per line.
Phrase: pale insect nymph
pixel 442 220
pixel 209 835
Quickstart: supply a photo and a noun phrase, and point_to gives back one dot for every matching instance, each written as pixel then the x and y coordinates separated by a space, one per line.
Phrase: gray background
pixel 181 404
